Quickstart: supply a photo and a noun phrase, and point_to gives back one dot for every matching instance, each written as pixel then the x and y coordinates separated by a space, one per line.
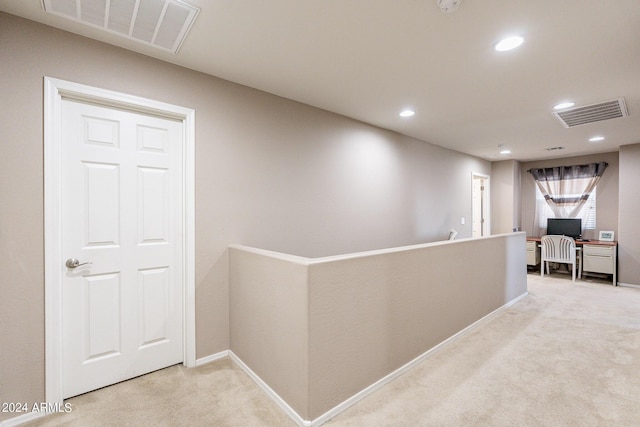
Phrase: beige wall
pixel 318 331
pixel 629 226
pixel 269 173
pixel 617 204
pixel 269 320
pixel 506 209
pixel 607 192
pixel 370 315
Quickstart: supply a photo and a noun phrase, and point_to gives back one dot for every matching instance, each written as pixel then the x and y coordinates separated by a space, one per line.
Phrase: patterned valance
pixel 569 172
pixel 567 188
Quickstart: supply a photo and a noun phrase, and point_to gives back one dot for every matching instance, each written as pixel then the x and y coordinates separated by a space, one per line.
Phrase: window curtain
pixel 567 188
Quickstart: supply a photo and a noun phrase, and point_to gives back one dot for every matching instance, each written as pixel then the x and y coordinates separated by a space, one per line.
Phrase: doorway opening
pixel 481 225
pixel 56 91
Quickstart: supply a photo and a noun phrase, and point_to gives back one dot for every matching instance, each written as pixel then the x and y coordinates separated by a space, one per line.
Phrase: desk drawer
pixel 598 264
pixel 533 254
pixel 599 259
pixel 598 250
pixel 533 258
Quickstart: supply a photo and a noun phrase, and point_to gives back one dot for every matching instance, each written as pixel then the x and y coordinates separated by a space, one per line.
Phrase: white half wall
pixel 321 330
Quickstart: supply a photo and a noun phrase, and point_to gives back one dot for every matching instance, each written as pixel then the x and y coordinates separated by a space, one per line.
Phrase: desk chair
pixel 560 249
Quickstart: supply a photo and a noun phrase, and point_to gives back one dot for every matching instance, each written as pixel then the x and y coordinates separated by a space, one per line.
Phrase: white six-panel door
pixel 121 214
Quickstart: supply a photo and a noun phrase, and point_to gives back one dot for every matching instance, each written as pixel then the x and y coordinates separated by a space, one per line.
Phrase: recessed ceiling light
pixel 563 105
pixel 509 43
pixel 448 5
pixel 503 149
pixel 407 113
pixel 596 138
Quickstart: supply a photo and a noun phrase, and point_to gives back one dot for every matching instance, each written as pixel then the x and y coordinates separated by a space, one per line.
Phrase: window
pixel 587 214
pixel 566 192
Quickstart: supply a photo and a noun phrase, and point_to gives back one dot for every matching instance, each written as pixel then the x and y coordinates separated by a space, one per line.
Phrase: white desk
pixel 601 259
pixel 597 256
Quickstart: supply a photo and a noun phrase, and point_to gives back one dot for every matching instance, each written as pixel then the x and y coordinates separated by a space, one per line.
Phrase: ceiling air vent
pixel 160 23
pixel 554 148
pixel 592 113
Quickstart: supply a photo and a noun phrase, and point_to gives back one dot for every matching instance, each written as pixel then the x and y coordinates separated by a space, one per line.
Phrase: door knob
pixel 73 263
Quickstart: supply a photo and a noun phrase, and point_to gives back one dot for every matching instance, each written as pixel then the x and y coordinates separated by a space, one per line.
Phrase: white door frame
pixel 54 91
pixel 486 203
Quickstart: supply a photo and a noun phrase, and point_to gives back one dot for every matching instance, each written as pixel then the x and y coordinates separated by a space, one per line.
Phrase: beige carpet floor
pixel 566 355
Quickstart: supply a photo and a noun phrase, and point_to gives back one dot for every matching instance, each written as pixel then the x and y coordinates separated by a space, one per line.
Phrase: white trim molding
pixel 272 394
pixel 409 365
pixel 486 209
pixel 628 285
pixel 373 387
pixel 54 91
pixel 24 418
pixel 212 358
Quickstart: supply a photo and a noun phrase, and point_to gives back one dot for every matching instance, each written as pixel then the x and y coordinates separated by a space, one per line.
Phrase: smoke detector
pixel 448 5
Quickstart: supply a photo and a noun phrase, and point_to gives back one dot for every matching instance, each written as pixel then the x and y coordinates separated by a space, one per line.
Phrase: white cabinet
pixel 600 259
pixel 533 253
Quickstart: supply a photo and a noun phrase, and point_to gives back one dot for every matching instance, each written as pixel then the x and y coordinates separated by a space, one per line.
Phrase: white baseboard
pixel 628 285
pixel 269 391
pixel 373 387
pixel 24 418
pixel 409 365
pixel 16 421
pixel 212 358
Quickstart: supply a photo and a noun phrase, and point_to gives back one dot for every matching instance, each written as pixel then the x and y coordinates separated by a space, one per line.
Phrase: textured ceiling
pixel 368 59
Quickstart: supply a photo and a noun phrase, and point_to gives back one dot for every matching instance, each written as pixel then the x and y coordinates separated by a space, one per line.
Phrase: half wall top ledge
pixel 319 331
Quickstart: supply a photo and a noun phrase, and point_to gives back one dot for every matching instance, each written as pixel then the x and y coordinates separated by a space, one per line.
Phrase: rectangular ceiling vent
pixel 160 23
pixel 592 113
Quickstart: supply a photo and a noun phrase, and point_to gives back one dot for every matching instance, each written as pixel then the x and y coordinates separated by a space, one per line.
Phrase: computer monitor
pixel 571 227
